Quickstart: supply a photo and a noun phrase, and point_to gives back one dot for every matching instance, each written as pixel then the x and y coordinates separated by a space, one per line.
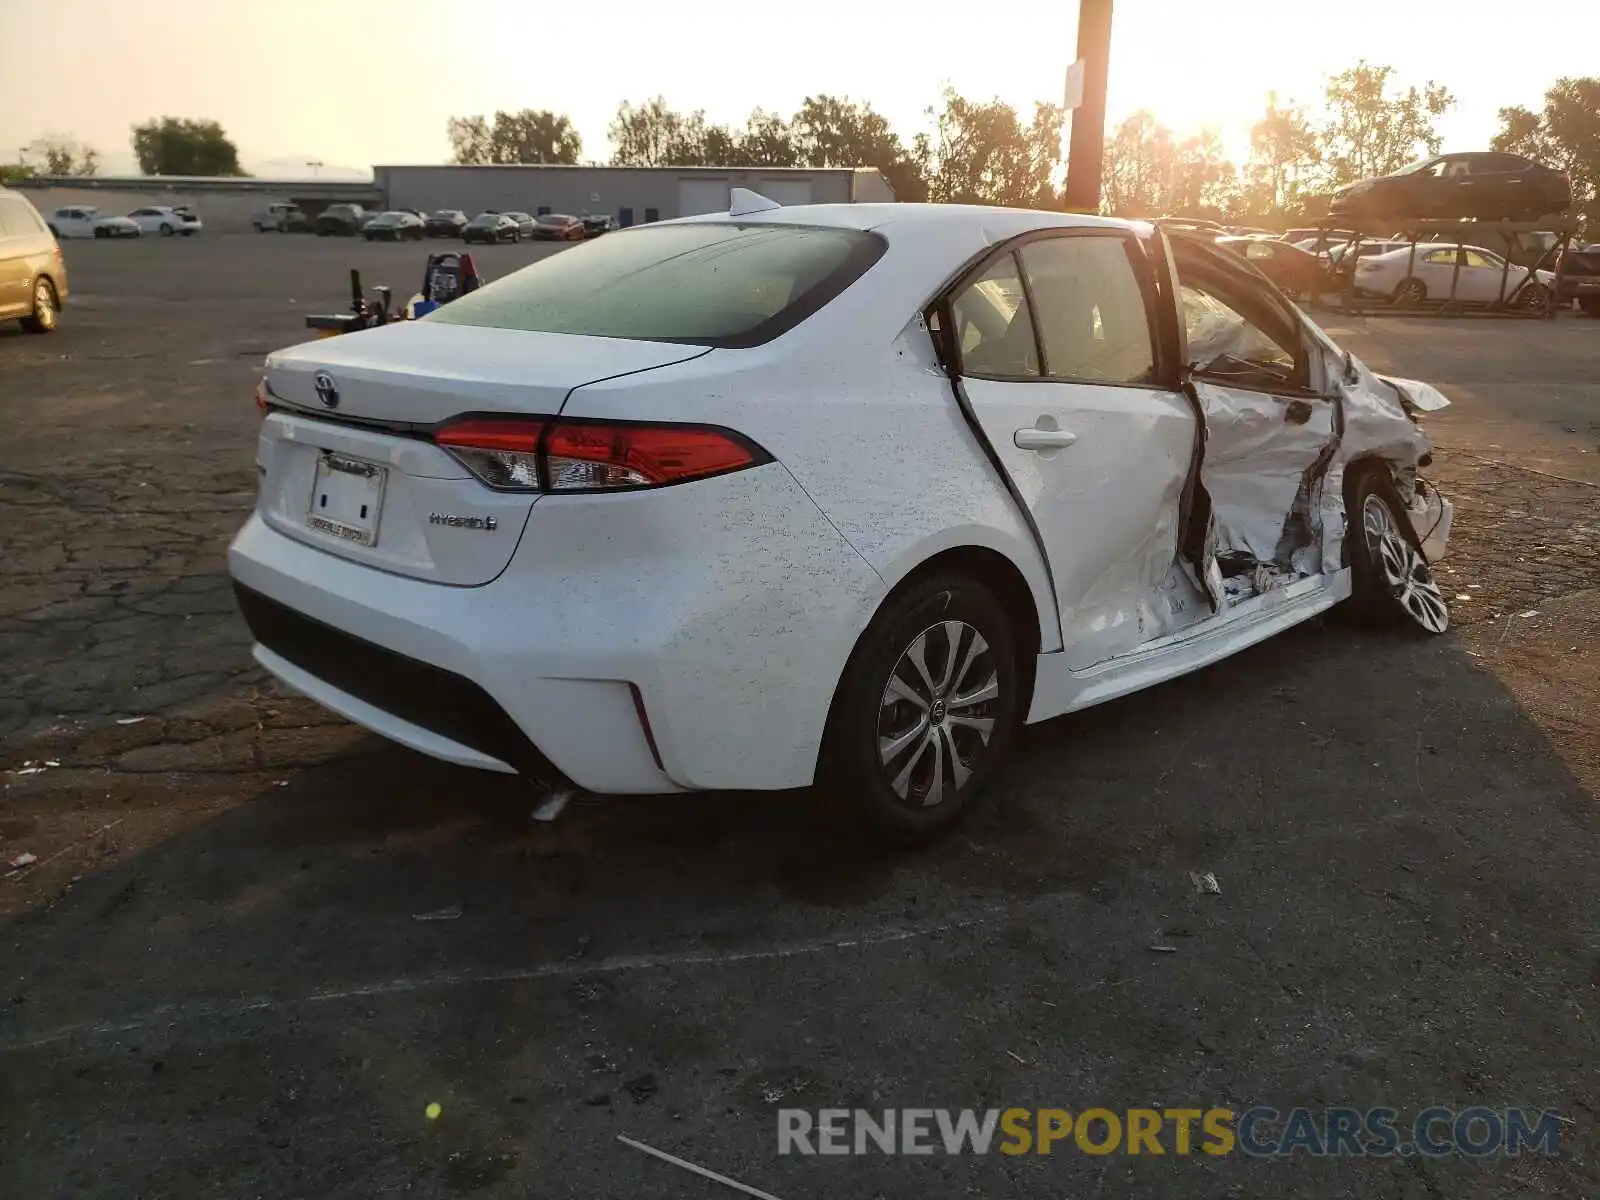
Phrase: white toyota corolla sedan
pixel 825 493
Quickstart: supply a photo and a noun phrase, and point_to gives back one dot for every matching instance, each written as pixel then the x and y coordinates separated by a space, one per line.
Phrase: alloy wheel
pixel 937 713
pixel 44 305
pixel 1406 574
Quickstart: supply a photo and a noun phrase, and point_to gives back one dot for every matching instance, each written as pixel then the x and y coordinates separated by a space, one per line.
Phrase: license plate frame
pixel 346 499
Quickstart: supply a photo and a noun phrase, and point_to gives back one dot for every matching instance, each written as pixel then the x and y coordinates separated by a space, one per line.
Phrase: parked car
pixel 85 220
pixel 447 222
pixel 166 221
pixel 1485 186
pixel 1342 259
pixel 341 220
pixel 1578 269
pixel 491 227
pixel 524 222
pixel 558 227
pixel 1295 271
pixel 33 274
pixel 594 226
pixel 397 226
pixel 571 526
pixel 1478 276
pixel 1320 239
pixel 280 217
pixel 1526 248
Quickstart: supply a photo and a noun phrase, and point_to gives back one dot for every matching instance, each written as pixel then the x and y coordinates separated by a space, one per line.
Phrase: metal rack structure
pixel 1467 235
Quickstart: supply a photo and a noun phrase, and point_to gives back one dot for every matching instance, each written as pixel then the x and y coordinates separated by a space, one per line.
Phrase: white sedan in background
pixel 85 220
pixel 1478 276
pixel 167 221
pixel 834 493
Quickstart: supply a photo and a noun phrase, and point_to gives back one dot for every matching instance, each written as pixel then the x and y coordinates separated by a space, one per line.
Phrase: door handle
pixel 1042 439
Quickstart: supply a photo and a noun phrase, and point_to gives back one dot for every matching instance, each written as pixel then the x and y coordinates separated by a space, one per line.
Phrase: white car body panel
pixel 731 604
pixel 81 222
pixel 1381 274
pixel 157 219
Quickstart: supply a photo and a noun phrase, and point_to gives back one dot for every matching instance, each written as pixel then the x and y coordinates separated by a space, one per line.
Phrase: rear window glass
pixel 705 284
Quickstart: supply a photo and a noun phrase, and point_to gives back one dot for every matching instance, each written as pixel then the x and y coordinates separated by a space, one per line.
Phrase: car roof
pixel 892 218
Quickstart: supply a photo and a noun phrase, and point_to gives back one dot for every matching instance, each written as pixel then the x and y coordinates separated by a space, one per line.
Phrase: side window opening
pixel 1238 333
pixel 1093 322
pixel 993 328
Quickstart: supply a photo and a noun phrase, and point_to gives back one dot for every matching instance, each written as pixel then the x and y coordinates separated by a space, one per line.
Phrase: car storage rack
pixel 1465 235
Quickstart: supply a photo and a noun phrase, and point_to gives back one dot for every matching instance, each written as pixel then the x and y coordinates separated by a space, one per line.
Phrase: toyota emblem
pixel 327 390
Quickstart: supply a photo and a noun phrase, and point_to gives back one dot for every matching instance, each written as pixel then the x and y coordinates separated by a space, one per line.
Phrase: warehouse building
pixel 630 195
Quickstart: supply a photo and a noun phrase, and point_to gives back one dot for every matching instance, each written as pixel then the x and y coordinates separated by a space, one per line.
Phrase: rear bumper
pixel 725 609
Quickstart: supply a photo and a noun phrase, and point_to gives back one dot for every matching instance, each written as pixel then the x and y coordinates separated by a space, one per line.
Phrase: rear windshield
pixel 705 284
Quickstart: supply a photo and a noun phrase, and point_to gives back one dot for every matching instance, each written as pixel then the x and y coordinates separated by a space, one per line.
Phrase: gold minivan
pixel 33 277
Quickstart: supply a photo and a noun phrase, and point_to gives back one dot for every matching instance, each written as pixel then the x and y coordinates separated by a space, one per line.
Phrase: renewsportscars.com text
pixel 1258 1132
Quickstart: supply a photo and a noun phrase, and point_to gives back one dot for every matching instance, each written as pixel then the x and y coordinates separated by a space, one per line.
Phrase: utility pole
pixel 1087 146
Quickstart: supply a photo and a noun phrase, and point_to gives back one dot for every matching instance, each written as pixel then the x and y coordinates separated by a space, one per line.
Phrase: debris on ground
pixel 439 914
pixel 131 720
pixel 1160 948
pixel 33 768
pixel 550 808
pixel 1205 884
pixel 23 860
pixel 1017 1057
pixel 642 1087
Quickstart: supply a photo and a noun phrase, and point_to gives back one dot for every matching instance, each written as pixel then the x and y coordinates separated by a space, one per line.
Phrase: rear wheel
pixel 1392 580
pixel 166 230
pixel 46 308
pixel 1590 305
pixel 925 709
pixel 1534 297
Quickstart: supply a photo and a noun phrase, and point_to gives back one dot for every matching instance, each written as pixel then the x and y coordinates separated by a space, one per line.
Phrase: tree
pixel 54 154
pixel 1148 171
pixel 1284 158
pixel 767 141
pixel 645 135
pixel 833 131
pixel 1565 134
pixel 530 135
pixel 175 146
pixel 1370 132
pixel 984 154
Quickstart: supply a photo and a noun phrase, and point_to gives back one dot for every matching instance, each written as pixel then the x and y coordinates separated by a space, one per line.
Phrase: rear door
pixel 16 273
pixel 1058 352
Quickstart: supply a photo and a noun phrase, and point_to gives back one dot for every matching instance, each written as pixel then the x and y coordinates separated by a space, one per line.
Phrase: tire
pixel 1534 297
pixel 1410 293
pixel 46 308
pixel 1392 583
pixel 1589 305
pixel 166 230
pixel 258 226
pixel 881 695
pixel 371 237
pixel 102 233
pixel 322 233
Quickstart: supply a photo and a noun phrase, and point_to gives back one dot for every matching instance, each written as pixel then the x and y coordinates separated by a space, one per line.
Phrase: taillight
pixel 501 451
pixel 564 455
pixel 262 401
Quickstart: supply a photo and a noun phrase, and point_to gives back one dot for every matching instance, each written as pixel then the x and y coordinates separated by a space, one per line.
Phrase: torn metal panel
pixel 1259 448
pixel 1430 515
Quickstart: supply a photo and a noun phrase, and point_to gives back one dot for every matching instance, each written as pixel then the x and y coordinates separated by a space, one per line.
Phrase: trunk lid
pixel 359 478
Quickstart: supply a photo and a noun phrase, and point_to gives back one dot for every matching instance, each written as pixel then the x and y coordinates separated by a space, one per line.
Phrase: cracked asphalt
pixel 214 980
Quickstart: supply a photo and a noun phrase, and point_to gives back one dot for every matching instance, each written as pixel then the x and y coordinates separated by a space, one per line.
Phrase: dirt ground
pixel 215 980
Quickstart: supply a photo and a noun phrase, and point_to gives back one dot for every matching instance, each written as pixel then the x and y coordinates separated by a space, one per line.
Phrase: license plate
pixel 347 499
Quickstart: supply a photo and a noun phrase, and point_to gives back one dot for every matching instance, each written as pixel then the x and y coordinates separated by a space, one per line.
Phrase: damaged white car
pixel 839 494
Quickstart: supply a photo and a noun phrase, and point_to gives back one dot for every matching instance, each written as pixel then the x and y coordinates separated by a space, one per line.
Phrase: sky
pixel 353 83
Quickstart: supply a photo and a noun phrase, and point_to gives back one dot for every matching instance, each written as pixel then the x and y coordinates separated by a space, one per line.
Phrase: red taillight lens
pixel 503 451
pixel 538 454
pixel 262 401
pixel 582 456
